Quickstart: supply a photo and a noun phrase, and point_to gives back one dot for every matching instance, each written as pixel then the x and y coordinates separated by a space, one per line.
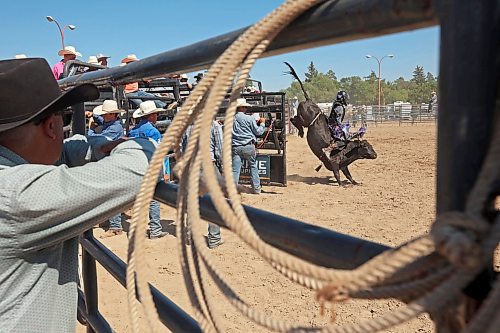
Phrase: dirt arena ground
pixel 394 204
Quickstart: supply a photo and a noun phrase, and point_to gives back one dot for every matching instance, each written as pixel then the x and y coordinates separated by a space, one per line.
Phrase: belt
pixel 245 144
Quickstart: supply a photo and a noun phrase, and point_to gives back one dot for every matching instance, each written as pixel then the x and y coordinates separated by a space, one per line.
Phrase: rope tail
pixel 294 74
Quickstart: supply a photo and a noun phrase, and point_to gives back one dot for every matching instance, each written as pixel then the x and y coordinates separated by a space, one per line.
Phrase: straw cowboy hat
pixel 93 60
pixel 241 102
pixel 107 107
pixel 146 108
pixel 28 88
pixel 101 56
pixel 137 114
pixel 172 105
pixel 129 58
pixel 20 56
pixel 69 50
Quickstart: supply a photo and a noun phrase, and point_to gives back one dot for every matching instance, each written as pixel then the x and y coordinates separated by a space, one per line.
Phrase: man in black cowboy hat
pixel 198 78
pixel 49 195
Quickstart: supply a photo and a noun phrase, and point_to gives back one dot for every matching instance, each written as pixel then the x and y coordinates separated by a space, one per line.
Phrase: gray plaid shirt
pixel 44 209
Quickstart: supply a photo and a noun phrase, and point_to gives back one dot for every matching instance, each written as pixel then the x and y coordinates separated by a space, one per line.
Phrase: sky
pixel 146 28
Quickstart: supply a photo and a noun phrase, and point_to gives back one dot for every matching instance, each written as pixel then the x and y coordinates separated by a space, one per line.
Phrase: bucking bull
pixel 319 138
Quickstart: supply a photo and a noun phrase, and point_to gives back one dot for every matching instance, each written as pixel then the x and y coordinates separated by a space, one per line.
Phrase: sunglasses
pixel 41 117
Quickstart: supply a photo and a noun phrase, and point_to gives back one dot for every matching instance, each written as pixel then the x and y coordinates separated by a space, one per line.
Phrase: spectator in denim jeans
pixel 106 115
pixel 214 237
pixel 245 129
pixel 132 89
pixel 148 114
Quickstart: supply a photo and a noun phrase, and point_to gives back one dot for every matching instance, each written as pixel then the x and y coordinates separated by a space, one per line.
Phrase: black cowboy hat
pixel 198 76
pixel 28 88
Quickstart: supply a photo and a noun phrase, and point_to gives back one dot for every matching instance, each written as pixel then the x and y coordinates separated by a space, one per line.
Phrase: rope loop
pixel 457 237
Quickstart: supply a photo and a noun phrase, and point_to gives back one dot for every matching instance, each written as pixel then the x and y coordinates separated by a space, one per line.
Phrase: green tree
pixel 418 92
pixel 418 75
pixel 311 72
pixel 324 87
pixel 331 75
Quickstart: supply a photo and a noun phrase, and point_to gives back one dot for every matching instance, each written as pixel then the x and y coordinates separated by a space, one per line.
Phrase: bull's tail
pixel 294 74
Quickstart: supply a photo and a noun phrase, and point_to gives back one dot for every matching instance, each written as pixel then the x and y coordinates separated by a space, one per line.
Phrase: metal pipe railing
pixel 170 314
pixel 312 243
pixel 332 22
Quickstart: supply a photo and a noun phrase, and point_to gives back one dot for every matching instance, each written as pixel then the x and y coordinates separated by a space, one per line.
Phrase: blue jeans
pixel 248 153
pixel 138 100
pixel 154 218
pixel 115 223
pixel 214 236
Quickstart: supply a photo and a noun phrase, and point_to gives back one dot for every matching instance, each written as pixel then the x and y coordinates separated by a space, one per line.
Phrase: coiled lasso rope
pixel 428 272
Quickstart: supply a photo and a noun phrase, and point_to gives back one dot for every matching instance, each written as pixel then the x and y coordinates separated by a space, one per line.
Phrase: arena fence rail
pixel 459 158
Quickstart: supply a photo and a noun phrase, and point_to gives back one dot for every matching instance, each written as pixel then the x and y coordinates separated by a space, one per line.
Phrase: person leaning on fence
pixel 245 129
pixel 107 116
pixel 50 195
pixel 68 53
pixel 433 101
pixel 147 115
pixel 132 91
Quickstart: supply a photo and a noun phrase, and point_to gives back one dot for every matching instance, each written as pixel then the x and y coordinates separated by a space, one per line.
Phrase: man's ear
pixel 49 127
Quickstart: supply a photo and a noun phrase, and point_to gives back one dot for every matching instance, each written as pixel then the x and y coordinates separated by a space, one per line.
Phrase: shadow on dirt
pixel 310 180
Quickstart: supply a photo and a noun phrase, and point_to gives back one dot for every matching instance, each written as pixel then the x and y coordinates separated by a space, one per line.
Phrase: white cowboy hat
pixel 172 105
pixel 129 58
pixel 100 56
pixel 184 76
pixel 69 50
pixel 108 106
pixel 148 107
pixel 93 60
pixel 137 114
pixel 20 56
pixel 241 102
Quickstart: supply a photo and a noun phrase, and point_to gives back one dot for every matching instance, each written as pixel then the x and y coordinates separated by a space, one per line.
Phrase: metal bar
pixel 78 119
pixel 170 314
pixel 332 22
pixel 315 244
pixel 89 274
pixel 74 63
pixel 96 321
pixel 465 124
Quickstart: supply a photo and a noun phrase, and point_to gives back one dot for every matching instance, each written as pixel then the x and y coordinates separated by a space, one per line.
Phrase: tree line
pixel 323 87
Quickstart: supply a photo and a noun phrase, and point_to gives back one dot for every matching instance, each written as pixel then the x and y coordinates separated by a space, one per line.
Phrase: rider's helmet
pixel 342 97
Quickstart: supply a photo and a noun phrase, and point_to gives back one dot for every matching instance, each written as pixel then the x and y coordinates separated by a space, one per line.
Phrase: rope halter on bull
pixel 428 273
pixel 315 118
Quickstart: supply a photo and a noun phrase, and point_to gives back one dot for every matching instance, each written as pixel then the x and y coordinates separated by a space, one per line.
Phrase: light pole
pixel 61 31
pixel 379 64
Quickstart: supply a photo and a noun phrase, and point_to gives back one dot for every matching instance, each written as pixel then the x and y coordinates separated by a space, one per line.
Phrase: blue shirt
pixel 145 130
pixel 216 139
pixel 113 130
pixel 245 129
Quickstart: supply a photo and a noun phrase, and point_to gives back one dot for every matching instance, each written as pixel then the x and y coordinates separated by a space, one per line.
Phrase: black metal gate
pixel 468 67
